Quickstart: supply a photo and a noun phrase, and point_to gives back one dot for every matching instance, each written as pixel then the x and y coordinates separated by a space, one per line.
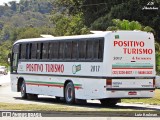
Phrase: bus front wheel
pixel 70 93
pixel 23 90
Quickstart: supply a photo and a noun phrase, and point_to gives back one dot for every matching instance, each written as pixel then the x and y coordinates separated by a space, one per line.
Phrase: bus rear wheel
pixel 109 102
pixel 23 90
pixel 70 93
pixel 32 96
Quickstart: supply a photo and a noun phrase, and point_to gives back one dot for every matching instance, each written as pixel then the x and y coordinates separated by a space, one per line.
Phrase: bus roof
pixel 102 34
pixel 96 34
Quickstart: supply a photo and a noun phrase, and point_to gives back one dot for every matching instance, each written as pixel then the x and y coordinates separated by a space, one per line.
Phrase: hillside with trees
pixel 30 18
pixel 28 13
pixel 26 19
pixel 98 14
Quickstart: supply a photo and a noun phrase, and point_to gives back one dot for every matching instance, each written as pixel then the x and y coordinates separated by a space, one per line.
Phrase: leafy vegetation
pixel 127 25
pixel 4 51
pixel 98 14
pixel 30 18
pixel 69 25
pixel 27 19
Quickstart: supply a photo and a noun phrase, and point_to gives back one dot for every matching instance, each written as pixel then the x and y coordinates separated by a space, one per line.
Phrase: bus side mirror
pixel 9 57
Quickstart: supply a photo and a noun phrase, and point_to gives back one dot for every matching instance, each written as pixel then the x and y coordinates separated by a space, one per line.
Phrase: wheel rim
pixel 22 89
pixel 69 94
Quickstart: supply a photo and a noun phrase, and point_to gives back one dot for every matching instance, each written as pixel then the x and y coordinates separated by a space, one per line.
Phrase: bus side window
pixel 33 50
pixel 15 55
pixel 89 50
pixel 95 49
pixel 28 51
pixel 101 49
pixel 20 50
pixel 82 49
pixel 68 50
pixel 23 51
pixel 53 50
pixel 74 49
pixel 61 50
pixel 45 51
pixel 39 50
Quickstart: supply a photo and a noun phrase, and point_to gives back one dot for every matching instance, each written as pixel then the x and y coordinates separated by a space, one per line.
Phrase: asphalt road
pixel 7 96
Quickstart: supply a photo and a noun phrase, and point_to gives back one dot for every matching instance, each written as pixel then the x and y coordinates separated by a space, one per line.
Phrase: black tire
pixel 69 93
pixel 57 99
pixel 23 90
pixel 32 96
pixel 80 101
pixel 109 102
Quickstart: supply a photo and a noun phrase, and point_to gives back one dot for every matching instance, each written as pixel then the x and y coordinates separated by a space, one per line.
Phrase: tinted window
pixel 33 50
pixel 82 49
pixel 68 50
pixel 101 47
pixel 74 49
pixel 23 51
pixel 45 51
pixel 53 50
pixel 95 49
pixel 61 50
pixel 89 51
pixel 39 50
pixel 28 51
pixel 15 57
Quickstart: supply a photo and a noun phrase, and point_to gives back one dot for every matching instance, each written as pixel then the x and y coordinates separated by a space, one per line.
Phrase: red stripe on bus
pixel 77 87
pixel 49 85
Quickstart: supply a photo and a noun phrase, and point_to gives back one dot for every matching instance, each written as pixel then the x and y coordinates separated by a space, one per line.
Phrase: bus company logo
pixel 76 68
pixel 150 6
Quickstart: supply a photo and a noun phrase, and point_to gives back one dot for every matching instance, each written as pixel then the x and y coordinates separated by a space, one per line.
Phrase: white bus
pixel 106 66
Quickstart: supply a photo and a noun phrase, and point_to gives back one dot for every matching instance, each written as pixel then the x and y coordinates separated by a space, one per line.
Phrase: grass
pixel 153 101
pixel 61 108
pixel 13 106
pixel 56 107
pixel 68 110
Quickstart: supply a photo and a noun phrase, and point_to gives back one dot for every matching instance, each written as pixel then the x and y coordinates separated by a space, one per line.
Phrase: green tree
pixel 1 25
pixel 28 32
pixel 98 14
pixel 5 48
pixel 13 5
pixel 68 25
pixel 5 33
pixel 127 25
pixel 132 10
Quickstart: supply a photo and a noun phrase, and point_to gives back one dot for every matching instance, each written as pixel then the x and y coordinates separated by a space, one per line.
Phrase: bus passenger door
pixel 15 56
